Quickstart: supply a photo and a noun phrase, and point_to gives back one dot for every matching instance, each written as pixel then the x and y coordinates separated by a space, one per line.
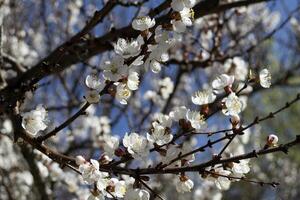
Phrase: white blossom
pixel 136 145
pixel 111 143
pixel 178 113
pixel 233 104
pixel 133 80
pixel 123 93
pixel 128 49
pixel 184 184
pixel 196 119
pixel 118 188
pixel 166 87
pixel 143 23
pixel 98 197
pixel 223 183
pixel 90 173
pixel 94 82
pixel 237 67
pixel 222 81
pixel 137 194
pixel 163 120
pixel 179 5
pixel 159 135
pixel 265 78
pixel 186 16
pixel 114 70
pixel 35 120
pixel 241 168
pixel 92 96
pixel 203 97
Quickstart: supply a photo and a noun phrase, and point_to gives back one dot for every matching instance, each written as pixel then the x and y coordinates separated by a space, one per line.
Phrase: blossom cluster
pixel 149 51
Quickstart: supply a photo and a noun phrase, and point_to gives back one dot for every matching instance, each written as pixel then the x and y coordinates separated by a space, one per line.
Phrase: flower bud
pixel 272 140
pixel 235 120
pixel 80 160
pixel 104 159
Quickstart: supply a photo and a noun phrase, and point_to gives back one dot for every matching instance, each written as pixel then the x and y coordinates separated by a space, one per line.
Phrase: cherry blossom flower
pixel 196 119
pixel 136 145
pixel 178 113
pixel 163 120
pixel 166 87
pixel 114 70
pixel 222 81
pixel 179 5
pixel 143 23
pixel 237 67
pixel 265 78
pixel 94 82
pixel 186 16
pixel 123 93
pixel 233 105
pixel 218 177
pixel 92 96
pixel 91 174
pixel 184 184
pixel 159 135
pixel 111 143
pixel 241 168
pixel 97 196
pixel 115 188
pixel 137 194
pixel 128 49
pixel 203 97
pixel 35 120
pixel 223 183
pixel 133 80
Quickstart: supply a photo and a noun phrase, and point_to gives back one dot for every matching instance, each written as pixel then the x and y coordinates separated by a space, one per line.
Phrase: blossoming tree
pixel 139 99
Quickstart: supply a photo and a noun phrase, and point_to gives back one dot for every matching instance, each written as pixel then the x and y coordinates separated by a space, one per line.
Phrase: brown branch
pixel 261 183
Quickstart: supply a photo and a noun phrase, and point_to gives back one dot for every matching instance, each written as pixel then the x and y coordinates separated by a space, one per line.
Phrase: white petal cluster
pixel 91 174
pixel 137 194
pixel 196 119
pixel 233 105
pixel 241 168
pixel 179 5
pixel 166 87
pixel 218 176
pixel 265 78
pixel 136 145
pixel 111 143
pixel 203 97
pixel 186 16
pixel 222 81
pixel 184 184
pixel 93 82
pixel 178 113
pixel 160 134
pixel 143 23
pixel 128 49
pixel 116 188
pixel 114 70
pixel 133 80
pixel 92 96
pixel 238 67
pixel 123 93
pixel 35 120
